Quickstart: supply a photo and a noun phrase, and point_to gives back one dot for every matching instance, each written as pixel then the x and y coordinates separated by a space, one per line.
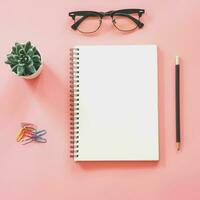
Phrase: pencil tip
pixel 178 146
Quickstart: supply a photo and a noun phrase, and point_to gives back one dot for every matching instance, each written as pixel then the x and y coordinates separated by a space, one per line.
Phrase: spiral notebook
pixel 114 103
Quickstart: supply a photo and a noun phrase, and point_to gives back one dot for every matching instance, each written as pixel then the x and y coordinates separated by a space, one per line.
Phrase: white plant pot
pixel 36 74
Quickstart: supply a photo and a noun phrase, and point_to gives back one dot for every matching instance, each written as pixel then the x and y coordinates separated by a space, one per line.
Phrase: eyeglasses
pixel 90 21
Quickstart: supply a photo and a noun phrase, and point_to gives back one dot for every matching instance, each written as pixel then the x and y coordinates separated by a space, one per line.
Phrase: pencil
pixel 177 90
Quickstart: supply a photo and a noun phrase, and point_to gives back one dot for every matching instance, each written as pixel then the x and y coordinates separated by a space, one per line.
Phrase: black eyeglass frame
pixel 122 12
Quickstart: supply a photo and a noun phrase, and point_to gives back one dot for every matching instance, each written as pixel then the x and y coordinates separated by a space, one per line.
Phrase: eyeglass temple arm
pixel 77 23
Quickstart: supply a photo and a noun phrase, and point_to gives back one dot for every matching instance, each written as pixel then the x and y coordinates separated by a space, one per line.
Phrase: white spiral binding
pixel 74 102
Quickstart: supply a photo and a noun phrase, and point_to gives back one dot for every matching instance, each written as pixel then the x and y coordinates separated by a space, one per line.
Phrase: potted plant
pixel 25 60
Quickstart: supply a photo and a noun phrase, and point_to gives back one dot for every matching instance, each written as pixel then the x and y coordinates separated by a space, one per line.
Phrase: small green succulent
pixel 24 59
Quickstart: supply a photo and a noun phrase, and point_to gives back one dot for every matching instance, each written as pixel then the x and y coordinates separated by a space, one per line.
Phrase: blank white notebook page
pixel 118 102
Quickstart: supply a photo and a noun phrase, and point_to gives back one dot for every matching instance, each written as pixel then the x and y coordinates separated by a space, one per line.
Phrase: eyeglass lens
pixel 123 22
pixel 90 24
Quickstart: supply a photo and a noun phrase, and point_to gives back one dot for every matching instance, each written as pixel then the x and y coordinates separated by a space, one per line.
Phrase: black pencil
pixel 178 131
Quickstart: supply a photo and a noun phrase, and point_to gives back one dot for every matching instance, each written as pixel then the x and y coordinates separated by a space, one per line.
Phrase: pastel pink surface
pixel 45 171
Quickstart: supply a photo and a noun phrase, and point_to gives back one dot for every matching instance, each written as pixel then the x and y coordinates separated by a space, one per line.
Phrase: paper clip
pixel 20 135
pixel 36 137
pixel 26 131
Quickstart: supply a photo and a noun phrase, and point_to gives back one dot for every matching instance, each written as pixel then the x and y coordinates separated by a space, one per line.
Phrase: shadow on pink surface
pixel 50 91
pixel 95 165
pixel 13 99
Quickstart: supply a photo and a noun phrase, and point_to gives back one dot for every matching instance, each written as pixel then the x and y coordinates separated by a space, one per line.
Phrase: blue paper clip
pixel 39 133
pixel 36 137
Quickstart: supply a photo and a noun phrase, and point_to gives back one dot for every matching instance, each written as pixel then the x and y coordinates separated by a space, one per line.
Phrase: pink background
pixel 45 171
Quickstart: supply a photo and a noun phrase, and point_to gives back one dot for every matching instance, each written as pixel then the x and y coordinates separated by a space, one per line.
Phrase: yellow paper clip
pixel 20 135
pixel 26 131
